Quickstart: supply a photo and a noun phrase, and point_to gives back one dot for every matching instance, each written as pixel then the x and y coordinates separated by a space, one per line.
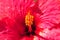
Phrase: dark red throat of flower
pixel 29 20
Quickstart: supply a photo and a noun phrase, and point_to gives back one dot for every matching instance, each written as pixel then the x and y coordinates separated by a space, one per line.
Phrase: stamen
pixel 29 20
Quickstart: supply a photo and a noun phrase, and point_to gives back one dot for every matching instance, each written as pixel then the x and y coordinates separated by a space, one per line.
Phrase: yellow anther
pixel 29 19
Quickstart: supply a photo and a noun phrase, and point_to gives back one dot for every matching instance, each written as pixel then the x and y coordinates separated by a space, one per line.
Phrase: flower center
pixel 29 19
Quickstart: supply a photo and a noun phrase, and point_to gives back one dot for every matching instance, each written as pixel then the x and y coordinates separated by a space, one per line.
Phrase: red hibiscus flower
pixel 30 20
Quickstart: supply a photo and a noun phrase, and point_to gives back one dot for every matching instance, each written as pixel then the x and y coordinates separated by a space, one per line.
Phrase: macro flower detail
pixel 29 20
